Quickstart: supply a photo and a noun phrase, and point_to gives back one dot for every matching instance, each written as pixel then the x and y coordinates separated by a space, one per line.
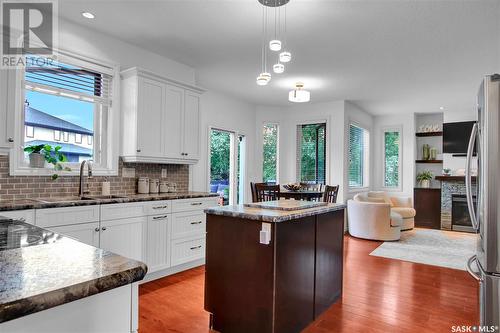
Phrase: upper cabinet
pixel 161 119
pixel 7 100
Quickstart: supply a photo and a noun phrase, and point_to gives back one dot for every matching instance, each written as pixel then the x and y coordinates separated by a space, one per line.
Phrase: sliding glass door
pixel 227 166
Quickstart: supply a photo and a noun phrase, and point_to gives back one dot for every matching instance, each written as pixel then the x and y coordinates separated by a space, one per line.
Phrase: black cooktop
pixel 16 234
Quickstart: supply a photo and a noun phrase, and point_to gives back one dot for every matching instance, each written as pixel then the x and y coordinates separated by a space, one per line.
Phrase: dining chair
pixel 331 193
pixel 311 186
pixel 254 192
pixel 265 192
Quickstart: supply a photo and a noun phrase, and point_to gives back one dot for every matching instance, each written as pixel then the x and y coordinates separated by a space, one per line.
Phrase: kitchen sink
pixel 103 197
pixel 63 199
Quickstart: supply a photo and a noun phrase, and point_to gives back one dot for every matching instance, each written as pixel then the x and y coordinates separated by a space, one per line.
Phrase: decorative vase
pixel 425 151
pixel 425 183
pixel 37 160
pixel 433 153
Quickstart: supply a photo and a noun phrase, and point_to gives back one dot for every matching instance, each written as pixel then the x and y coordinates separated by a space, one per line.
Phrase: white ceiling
pixel 386 56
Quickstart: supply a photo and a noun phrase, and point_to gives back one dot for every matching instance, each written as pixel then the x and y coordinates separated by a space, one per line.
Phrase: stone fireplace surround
pixel 448 188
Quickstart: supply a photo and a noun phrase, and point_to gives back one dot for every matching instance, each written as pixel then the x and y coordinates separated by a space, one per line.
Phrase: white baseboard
pixel 172 270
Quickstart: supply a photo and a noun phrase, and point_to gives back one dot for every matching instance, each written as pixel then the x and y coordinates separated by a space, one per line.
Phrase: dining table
pixel 309 195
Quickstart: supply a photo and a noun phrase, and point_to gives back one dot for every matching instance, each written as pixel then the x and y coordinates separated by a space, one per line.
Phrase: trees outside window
pixel 270 152
pixel 311 153
pixel 392 154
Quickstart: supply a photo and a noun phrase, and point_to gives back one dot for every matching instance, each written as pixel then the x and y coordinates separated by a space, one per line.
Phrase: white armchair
pixel 400 205
pixel 371 218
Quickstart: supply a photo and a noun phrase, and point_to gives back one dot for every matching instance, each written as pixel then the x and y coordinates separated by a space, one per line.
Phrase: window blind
pixel 57 78
pixel 356 156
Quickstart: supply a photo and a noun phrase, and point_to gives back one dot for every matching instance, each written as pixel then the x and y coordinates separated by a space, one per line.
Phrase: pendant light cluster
pixel 275 44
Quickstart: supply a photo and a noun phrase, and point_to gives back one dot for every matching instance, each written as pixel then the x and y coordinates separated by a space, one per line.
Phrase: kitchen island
pixel 53 283
pixel 273 266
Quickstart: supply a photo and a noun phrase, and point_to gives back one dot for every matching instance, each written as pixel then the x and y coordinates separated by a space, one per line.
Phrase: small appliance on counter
pixel 143 185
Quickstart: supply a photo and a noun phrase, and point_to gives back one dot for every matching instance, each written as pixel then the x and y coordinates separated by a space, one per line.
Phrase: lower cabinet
pixel 27 215
pixel 124 237
pixel 158 242
pixel 186 250
pixel 87 233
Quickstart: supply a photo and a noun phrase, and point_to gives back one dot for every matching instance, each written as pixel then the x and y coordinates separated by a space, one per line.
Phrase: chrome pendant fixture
pixel 299 95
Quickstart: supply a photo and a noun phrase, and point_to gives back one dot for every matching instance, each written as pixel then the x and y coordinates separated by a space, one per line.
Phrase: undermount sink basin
pixel 64 199
pixel 103 197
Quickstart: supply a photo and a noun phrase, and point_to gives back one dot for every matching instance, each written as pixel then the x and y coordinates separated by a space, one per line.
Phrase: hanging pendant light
pixel 275 44
pixel 278 68
pixel 264 77
pixel 285 56
pixel 299 95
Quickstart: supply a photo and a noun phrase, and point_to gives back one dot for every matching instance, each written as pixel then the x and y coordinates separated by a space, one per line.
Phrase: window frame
pixel 32 135
pixel 398 129
pixel 267 123
pixel 298 158
pixel 110 130
pixel 78 135
pixel 366 158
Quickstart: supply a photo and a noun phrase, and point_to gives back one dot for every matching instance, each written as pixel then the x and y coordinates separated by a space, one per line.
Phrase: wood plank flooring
pixel 380 295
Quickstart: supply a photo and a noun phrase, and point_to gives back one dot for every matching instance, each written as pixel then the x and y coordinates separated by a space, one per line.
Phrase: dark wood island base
pixel 277 287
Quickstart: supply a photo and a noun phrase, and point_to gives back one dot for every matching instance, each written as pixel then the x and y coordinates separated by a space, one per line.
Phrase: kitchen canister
pixel 172 187
pixel 143 185
pixel 164 186
pixel 154 186
pixel 433 153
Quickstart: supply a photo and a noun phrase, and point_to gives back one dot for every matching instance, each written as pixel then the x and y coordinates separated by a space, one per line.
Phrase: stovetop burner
pixel 17 234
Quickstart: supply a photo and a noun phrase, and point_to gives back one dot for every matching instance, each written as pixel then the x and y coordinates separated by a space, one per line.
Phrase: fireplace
pixel 460 218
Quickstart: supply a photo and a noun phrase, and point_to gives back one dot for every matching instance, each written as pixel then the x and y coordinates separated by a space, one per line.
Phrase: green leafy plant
pixel 52 155
pixel 425 175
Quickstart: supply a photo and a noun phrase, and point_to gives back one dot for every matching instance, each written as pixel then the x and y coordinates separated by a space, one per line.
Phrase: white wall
pixel 222 112
pixel 407 124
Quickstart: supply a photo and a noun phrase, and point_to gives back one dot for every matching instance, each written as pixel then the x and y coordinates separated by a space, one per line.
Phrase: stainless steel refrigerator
pixel 484 266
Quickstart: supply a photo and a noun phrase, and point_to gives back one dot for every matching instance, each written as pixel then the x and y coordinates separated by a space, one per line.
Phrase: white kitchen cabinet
pixel 53 217
pixel 188 249
pixel 161 119
pixel 158 242
pixel 124 237
pixel 87 233
pixel 188 224
pixel 7 107
pixel 26 215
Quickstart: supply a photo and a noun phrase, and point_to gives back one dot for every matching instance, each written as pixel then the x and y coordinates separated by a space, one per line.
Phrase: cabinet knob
pixel 10 140
pixel 97 229
pixel 104 228
pixel 138 150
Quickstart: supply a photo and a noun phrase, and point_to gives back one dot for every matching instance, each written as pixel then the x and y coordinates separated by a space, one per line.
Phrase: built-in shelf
pixel 453 178
pixel 429 161
pixel 429 134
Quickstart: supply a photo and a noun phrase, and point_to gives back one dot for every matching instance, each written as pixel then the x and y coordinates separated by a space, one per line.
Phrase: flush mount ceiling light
pixel 299 95
pixel 275 44
pixel 278 68
pixel 441 108
pixel 88 15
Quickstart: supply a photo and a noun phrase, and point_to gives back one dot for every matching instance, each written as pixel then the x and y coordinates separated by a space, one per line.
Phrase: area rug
pixel 432 247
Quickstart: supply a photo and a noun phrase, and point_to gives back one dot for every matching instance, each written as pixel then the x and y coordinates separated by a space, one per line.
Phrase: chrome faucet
pixel 81 191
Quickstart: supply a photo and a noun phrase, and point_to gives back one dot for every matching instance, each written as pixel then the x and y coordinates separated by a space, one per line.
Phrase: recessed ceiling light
pixel 88 15
pixel 441 108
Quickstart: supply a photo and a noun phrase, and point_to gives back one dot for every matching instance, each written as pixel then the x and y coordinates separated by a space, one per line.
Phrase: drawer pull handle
pixel 97 229
pixel 103 228
pixel 196 203
pixel 195 247
pixel 197 222
pixel 160 207
pixel 160 217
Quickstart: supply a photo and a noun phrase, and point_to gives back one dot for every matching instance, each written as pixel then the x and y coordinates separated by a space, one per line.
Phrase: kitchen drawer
pixel 27 215
pixel 123 211
pixel 158 207
pixel 185 205
pixel 53 217
pixel 188 224
pixel 186 250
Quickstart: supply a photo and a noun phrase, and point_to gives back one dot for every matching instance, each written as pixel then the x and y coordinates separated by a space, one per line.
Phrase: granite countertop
pixel 273 214
pixel 40 269
pixel 96 200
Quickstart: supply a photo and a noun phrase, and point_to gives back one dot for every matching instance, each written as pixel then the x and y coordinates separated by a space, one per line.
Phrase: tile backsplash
pixel 21 187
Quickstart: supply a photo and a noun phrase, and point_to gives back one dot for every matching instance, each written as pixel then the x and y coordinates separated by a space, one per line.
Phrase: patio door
pixel 227 166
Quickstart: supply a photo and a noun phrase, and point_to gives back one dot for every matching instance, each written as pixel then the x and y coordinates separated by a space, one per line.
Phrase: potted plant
pixel 39 154
pixel 424 178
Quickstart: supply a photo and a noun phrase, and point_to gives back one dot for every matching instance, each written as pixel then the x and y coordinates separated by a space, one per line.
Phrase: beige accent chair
pixel 400 205
pixel 371 218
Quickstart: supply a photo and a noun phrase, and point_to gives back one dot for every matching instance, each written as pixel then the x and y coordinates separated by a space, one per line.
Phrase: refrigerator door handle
pixel 468 177
pixel 474 274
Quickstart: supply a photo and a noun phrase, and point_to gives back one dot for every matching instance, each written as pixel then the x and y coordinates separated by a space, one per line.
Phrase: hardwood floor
pixel 380 295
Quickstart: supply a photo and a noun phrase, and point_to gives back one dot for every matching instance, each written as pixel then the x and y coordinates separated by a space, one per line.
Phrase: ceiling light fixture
pixel 441 108
pixel 278 68
pixel 299 95
pixel 88 15
pixel 264 76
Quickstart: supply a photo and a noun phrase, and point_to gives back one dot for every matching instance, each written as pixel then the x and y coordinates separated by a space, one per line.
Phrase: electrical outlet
pixel 163 173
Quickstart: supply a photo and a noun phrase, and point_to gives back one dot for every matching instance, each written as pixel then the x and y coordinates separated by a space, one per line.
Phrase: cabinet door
pixel 191 132
pixel 87 233
pixel 7 107
pixel 158 242
pixel 124 237
pixel 174 103
pixel 27 215
pixel 150 118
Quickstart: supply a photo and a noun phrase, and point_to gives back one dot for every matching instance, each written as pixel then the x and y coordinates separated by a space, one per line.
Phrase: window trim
pixel 366 158
pixel 264 123
pixel 108 165
pixel 32 131
pixel 78 135
pixel 399 129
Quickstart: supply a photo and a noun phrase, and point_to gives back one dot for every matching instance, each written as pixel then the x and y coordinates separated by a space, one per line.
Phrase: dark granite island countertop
pixel 277 211
pixel 40 269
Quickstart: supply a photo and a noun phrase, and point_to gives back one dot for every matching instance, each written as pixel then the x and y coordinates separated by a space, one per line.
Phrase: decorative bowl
pixel 294 187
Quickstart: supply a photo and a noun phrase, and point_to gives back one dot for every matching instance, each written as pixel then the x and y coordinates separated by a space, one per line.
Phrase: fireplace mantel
pixel 453 178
